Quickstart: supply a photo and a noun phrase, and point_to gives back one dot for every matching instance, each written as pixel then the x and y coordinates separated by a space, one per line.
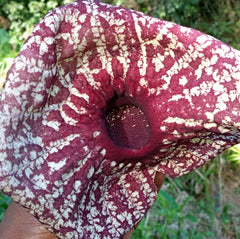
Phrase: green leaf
pixel 191 218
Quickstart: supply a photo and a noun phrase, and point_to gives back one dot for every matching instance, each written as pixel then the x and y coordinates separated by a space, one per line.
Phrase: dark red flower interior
pixel 127 125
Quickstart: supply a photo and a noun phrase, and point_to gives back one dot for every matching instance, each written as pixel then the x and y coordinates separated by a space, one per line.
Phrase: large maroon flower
pixel 98 100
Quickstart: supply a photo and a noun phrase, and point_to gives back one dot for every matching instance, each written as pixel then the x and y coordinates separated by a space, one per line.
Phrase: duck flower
pixel 99 99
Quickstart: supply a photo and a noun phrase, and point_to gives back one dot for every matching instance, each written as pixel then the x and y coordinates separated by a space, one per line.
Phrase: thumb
pixel 20 224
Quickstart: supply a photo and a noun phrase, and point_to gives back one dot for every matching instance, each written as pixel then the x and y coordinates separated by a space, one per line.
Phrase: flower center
pixel 128 127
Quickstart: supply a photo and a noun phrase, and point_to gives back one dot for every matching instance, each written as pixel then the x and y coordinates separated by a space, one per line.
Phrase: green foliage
pixel 7 54
pixel 181 12
pixel 233 156
pixel 171 219
pixel 6 49
pixel 17 18
pixel 194 206
pixel 24 14
pixel 4 202
pixel 217 18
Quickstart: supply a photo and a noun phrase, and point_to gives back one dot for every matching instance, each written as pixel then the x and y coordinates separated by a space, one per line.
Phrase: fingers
pixel 19 224
pixel 159 179
pixel 129 234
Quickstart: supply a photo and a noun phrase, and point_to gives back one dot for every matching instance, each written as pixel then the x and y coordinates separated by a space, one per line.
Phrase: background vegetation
pixel 202 204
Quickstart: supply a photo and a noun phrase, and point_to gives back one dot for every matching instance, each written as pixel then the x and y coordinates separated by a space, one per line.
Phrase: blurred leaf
pixel 4 202
pixel 191 218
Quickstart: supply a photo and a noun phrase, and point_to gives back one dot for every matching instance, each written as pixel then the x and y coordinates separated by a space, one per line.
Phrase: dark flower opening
pixel 127 124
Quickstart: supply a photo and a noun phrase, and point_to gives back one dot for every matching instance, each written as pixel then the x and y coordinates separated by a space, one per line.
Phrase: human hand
pixel 20 224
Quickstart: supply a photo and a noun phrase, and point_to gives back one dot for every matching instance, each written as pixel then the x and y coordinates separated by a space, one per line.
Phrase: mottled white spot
pixel 183 81
pixel 114 48
pixel 96 134
pixel 82 18
pixel 20 65
pixel 49 22
pixel 158 62
pixel 55 166
pixel 55 90
pixel 77 185
pixel 103 152
pixel 113 164
pixel 210 125
pixel 40 181
pixel 223 130
pixel 175 98
pixel 67 118
pixel 195 91
pixel 80 110
pixel 52 124
pixel 143 82
pixel 49 40
pixel 38 97
pixel 90 172
pixel 28 172
pixel 221 106
pixel 29 193
pixel 163 128
pixel 43 48
pixel 210 116
pixel 54 146
pixel 33 155
pixel 202 39
pixel 40 63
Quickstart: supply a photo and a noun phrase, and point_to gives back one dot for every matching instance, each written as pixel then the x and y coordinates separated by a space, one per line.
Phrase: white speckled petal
pixel 57 156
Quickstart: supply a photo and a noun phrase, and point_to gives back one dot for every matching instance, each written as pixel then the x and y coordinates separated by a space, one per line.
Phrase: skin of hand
pixel 20 224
